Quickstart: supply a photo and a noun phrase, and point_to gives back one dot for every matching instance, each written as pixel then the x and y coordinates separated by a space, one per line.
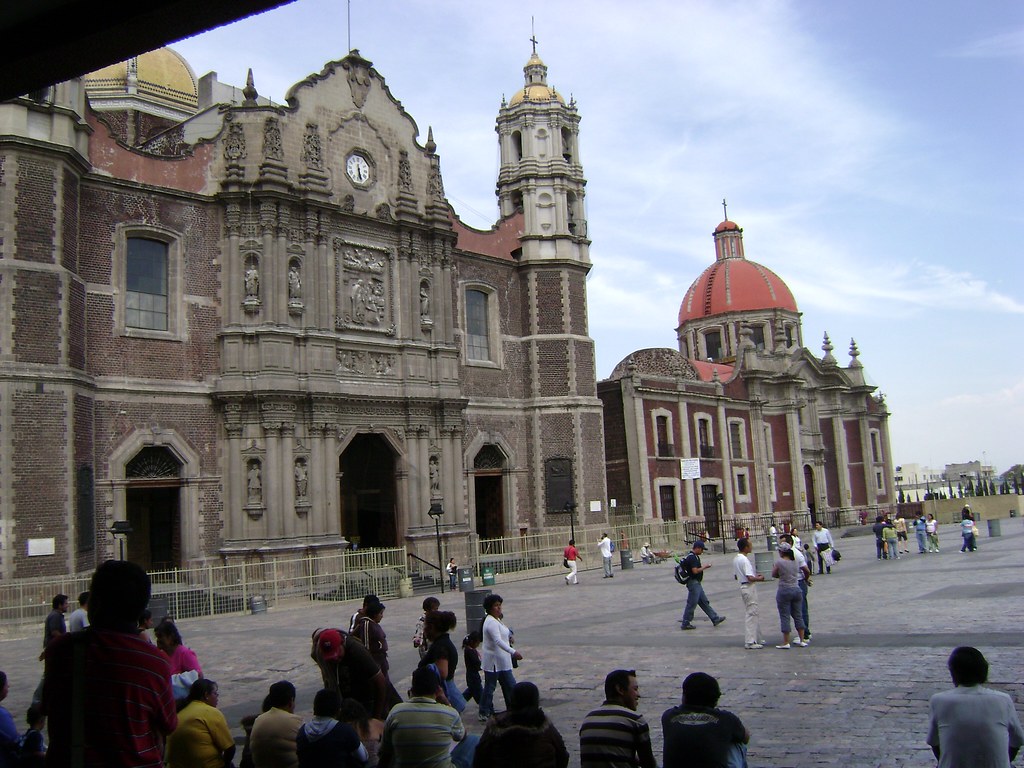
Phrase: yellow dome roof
pixel 536 92
pixel 162 75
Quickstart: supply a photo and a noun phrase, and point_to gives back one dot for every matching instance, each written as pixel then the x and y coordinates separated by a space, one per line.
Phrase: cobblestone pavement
pixel 858 696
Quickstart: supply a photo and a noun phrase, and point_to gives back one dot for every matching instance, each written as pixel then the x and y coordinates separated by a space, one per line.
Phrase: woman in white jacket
pixel 498 654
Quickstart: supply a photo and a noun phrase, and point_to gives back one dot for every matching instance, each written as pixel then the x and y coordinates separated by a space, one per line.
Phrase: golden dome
pixel 536 92
pixel 161 75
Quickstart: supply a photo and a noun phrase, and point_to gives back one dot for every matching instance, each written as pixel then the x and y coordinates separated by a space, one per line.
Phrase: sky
pixel 871 151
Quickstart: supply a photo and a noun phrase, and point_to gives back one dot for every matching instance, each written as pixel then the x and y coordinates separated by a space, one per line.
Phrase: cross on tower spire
pixel 725 209
pixel 533 36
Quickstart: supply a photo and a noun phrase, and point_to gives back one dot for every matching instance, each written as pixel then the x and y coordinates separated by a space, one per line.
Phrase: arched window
pixel 477 338
pixel 517 146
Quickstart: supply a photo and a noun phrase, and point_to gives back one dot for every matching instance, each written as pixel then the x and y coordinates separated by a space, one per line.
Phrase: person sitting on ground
pixel 120 693
pixel 272 741
pixel 971 725
pixel 8 730
pixel 324 742
pixel 32 744
pixel 419 732
pixel 182 660
pixel 521 736
pixel 429 604
pixel 369 729
pixel 615 734
pixel 202 738
pixel 646 555
pixel 697 734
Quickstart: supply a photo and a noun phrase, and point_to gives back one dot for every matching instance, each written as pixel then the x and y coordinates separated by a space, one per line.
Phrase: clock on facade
pixel 358 169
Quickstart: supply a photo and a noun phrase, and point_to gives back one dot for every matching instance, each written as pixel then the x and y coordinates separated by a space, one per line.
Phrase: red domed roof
pixel 735 285
pixel 727 225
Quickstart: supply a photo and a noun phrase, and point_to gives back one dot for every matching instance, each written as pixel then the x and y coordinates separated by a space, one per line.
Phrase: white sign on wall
pixel 595 506
pixel 689 469
pixel 38 547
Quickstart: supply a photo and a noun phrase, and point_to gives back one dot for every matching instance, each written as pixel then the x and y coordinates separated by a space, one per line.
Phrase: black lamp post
pixel 720 500
pixel 121 528
pixel 435 511
pixel 570 507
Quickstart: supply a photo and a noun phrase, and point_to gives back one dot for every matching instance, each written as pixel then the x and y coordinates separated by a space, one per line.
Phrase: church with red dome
pixel 742 424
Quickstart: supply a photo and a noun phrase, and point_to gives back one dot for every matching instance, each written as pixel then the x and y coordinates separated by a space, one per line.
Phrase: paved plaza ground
pixel 858 696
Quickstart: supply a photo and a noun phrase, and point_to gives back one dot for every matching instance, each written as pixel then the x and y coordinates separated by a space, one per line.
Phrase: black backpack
pixel 682 573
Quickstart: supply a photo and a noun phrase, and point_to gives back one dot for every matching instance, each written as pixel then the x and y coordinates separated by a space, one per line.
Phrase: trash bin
pixel 257 604
pixel 994 528
pixel 763 562
pixel 773 543
pixel 475 609
pixel 625 559
pixel 465 579
pixel 487 572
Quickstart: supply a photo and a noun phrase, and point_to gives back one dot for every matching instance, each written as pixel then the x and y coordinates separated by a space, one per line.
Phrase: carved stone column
pixel 287 476
pixel 234 494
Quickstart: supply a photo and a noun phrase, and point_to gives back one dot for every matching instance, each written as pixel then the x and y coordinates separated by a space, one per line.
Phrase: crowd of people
pixel 113 696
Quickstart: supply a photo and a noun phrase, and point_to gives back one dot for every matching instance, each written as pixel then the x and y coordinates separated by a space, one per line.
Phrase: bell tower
pixel 540 170
pixel 541 179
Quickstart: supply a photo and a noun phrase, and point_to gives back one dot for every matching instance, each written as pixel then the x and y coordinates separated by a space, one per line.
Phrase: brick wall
pixel 69 221
pixel 40 481
pixel 586 378
pixel 577 303
pixel 553 361
pixel 549 301
pixel 85 550
pixel 76 324
pixel 36 201
pixel 37 301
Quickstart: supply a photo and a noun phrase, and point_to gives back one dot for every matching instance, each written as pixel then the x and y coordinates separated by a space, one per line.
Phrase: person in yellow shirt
pixel 202 738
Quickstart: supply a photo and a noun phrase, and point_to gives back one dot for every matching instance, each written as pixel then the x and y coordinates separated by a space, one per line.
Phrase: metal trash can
pixel 763 562
pixel 257 604
pixel 465 576
pixel 487 574
pixel 994 528
pixel 773 543
pixel 475 609
pixel 625 559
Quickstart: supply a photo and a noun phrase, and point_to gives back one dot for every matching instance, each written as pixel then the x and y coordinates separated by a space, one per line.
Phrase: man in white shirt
pixel 748 591
pixel 973 726
pixel 605 545
pixel 822 538
pixel 79 618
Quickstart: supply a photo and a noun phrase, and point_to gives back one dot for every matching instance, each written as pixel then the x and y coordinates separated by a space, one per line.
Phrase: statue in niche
pixel 424 299
pixel 404 172
pixel 294 283
pixel 252 282
pixel 254 483
pixel 301 479
pixel 435 477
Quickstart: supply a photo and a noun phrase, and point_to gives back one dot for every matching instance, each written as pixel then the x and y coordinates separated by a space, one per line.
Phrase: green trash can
pixel 487 572
pixel 994 528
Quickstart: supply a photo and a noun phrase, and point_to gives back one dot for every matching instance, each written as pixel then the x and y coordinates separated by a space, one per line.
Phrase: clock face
pixel 358 169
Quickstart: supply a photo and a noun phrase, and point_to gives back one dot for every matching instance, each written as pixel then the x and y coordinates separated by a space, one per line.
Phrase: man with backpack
pixel 691 572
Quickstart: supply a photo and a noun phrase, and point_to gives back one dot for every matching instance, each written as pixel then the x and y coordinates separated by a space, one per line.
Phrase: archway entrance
pixel 489 492
pixel 368 492
pixel 809 489
pixel 709 506
pixel 153 509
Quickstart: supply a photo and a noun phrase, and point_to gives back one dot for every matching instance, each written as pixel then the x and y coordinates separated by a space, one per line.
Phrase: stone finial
pixel 826 347
pixel 854 355
pixel 431 147
pixel 249 92
pixel 503 102
pixel 780 338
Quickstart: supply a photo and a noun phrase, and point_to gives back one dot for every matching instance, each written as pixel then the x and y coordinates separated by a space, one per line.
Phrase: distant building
pixel 775 429
pixel 250 331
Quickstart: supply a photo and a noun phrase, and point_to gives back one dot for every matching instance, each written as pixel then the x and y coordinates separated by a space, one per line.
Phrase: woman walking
pixel 497 658
pixel 788 598
pixel 968 530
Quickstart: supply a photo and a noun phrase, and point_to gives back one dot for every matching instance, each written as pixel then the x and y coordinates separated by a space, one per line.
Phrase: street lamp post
pixel 435 511
pixel 570 507
pixel 120 530
pixel 720 501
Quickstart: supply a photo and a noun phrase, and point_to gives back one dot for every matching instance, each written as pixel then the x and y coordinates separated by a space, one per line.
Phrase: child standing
pixel 473 663
pixel 418 641
pixel 32 743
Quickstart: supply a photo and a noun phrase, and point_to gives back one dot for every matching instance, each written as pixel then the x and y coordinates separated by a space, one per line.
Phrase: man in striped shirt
pixel 419 732
pixel 615 735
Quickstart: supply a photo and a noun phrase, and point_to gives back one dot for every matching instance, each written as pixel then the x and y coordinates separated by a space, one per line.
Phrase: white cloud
pixel 1005 45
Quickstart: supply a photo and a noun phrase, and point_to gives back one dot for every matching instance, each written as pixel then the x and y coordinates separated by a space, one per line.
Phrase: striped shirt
pixel 614 736
pixel 420 732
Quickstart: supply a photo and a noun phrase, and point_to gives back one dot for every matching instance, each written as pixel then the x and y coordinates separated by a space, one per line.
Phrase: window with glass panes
pixel 146 285
pixel 736 439
pixel 477 343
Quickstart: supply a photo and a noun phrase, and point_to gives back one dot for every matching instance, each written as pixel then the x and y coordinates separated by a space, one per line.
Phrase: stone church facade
pixel 247 331
pixel 742 424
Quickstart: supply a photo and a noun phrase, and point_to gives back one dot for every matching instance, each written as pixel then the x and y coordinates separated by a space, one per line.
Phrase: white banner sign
pixel 689 469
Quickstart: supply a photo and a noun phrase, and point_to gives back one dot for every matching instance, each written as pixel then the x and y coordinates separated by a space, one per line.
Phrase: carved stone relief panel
pixel 364 282
pixel 363 363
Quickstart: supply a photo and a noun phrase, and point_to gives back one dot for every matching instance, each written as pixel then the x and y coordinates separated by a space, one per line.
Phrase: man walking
pixel 921 532
pixel 571 555
pixel 605 545
pixel 695 590
pixel 823 543
pixel 615 734
pixel 748 579
pixel 79 618
pixel 972 725
pixel 698 734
